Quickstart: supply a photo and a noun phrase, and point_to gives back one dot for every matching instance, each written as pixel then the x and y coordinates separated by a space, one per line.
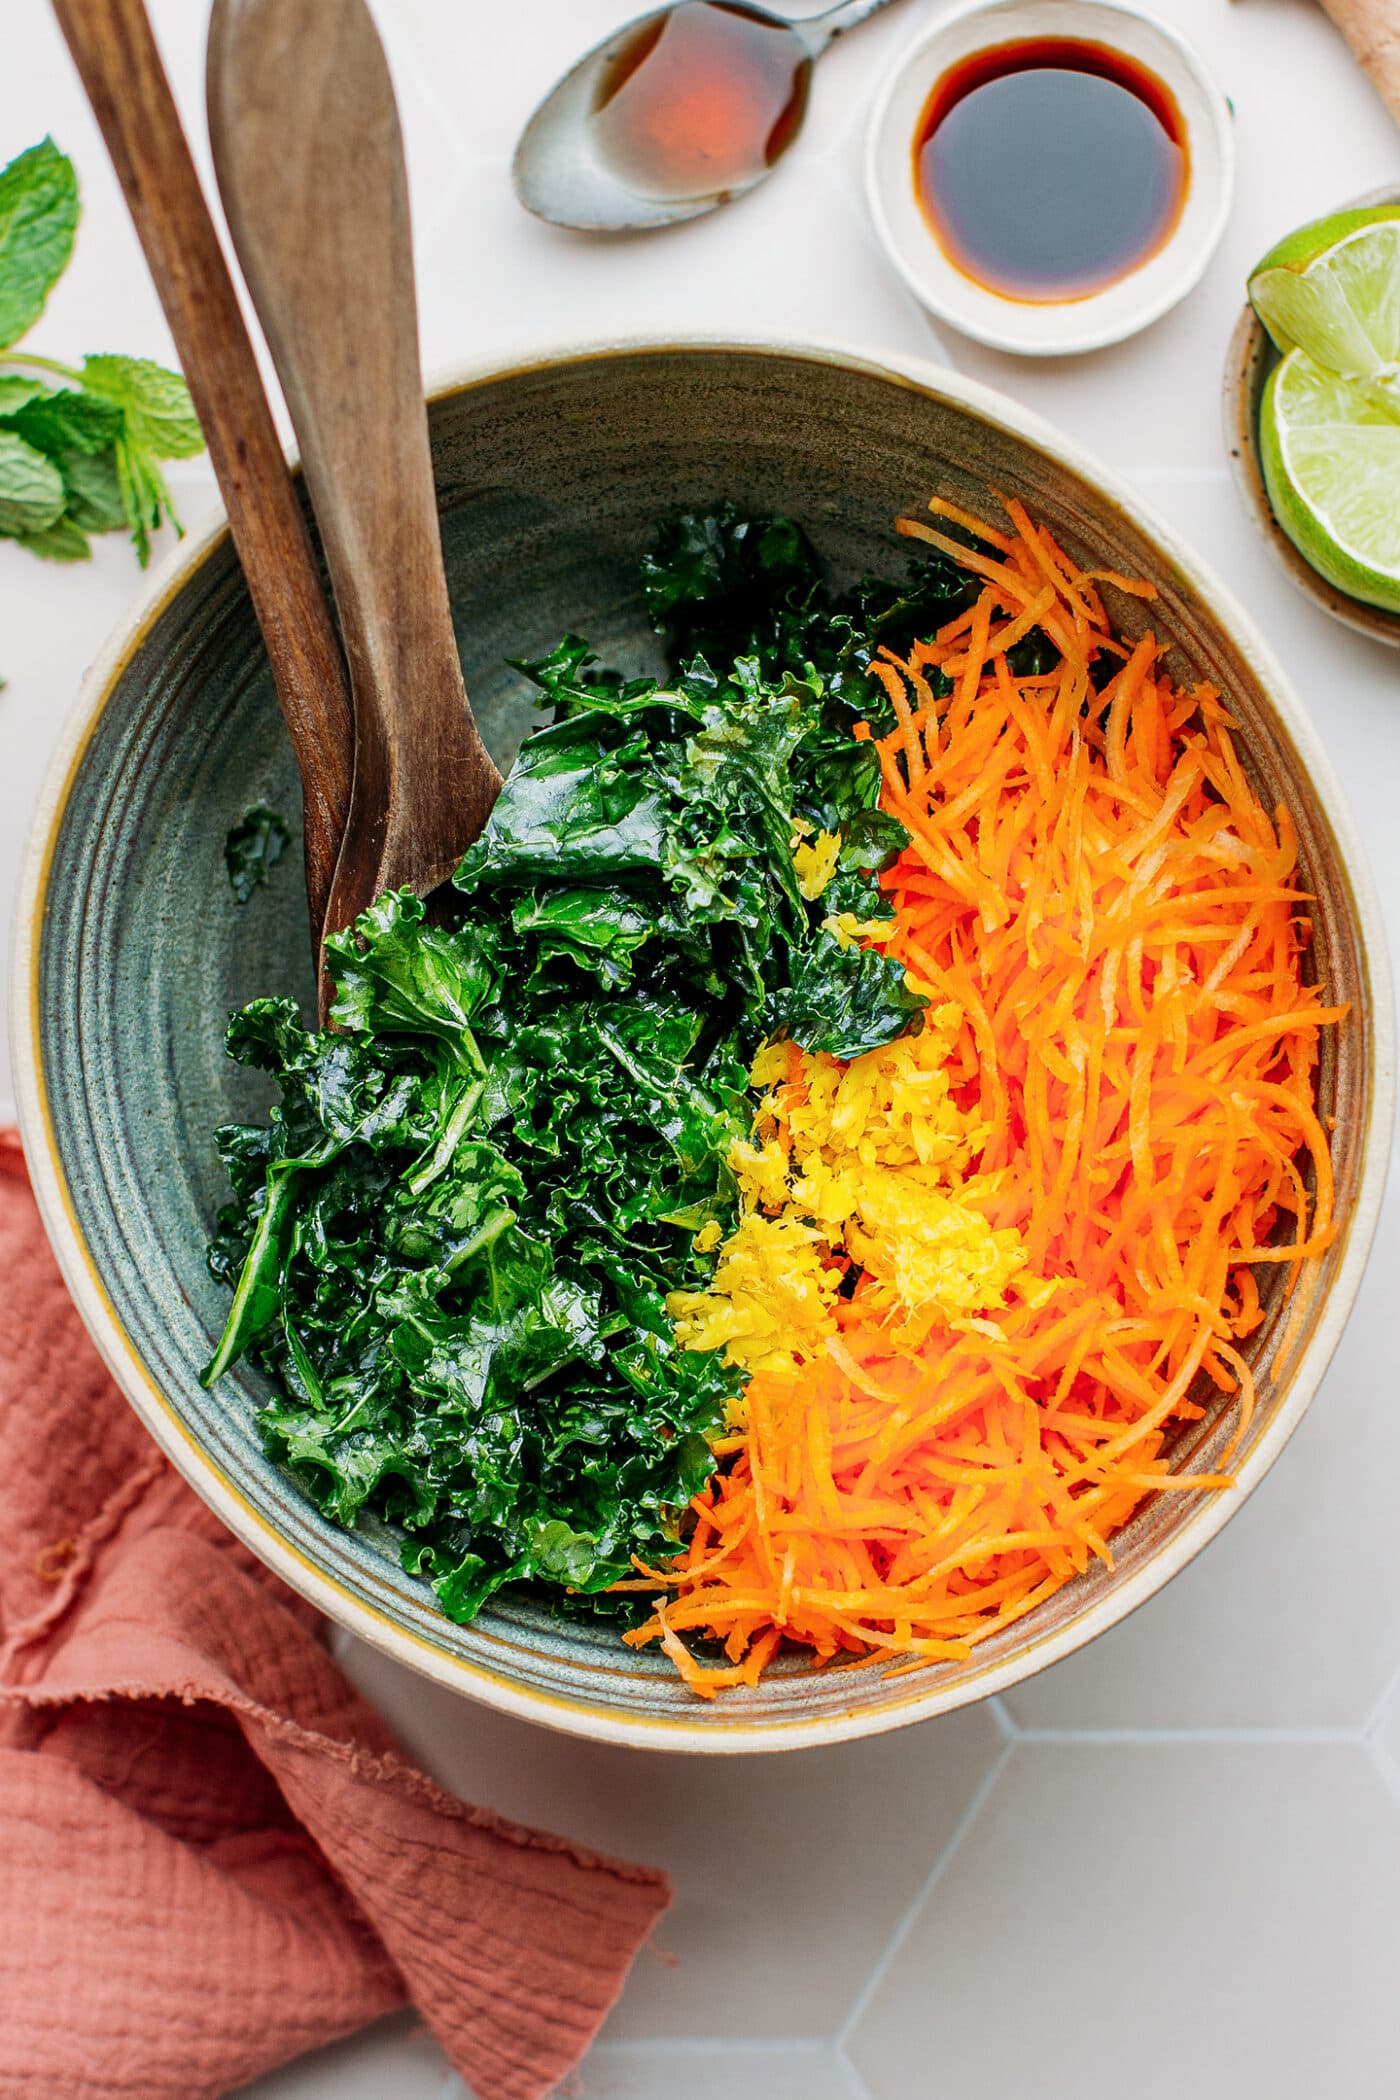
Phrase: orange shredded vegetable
pixel 1093 881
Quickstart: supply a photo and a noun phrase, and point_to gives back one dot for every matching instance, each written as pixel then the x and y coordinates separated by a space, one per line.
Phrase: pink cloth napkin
pixel 212 1853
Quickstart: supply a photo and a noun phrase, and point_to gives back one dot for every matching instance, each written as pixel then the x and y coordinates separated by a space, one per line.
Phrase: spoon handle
pixel 309 157
pixel 117 59
pixel 817 31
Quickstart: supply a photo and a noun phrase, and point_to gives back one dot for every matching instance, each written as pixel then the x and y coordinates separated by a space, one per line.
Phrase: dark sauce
pixel 700 101
pixel 1051 167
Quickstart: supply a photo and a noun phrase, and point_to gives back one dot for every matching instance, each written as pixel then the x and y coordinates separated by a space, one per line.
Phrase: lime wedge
pixel 1333 289
pixel 1329 445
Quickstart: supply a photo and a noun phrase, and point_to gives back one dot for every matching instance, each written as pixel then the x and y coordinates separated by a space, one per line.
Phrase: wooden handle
pixel 310 162
pixel 116 56
pixel 1372 28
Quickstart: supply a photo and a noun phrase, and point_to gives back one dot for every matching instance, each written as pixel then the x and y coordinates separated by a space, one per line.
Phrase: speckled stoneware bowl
pixel 131 951
pixel 1248 362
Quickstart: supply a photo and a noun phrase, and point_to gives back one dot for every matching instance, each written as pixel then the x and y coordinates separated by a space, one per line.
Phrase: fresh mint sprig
pixel 81 446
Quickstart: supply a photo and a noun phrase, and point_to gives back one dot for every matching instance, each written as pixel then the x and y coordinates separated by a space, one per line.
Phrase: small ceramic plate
pixel 1248 362
pixel 1034 328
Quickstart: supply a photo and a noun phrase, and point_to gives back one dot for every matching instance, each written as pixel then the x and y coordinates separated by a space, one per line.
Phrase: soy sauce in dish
pixel 701 100
pixel 1050 167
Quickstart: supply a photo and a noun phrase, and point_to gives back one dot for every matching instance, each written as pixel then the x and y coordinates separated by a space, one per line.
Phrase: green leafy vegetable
pixel 158 422
pixel 80 450
pixel 450 1247
pixel 38 219
pixel 253 848
pixel 724 584
pixel 61 541
pixel 16 392
pixel 155 404
pixel 67 421
pixel 94 491
pixel 31 488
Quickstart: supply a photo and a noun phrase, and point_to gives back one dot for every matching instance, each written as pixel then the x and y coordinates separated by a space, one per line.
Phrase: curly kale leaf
pixel 722 585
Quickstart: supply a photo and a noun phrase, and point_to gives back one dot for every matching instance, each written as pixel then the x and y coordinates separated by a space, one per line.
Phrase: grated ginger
pixel 863 1166
pixel 814 864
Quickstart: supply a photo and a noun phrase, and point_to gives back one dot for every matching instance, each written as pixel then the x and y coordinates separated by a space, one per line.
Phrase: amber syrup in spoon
pixel 701 100
pixel 1050 167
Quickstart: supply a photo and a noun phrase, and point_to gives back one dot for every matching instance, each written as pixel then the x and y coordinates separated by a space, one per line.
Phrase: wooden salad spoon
pixel 310 163
pixel 119 64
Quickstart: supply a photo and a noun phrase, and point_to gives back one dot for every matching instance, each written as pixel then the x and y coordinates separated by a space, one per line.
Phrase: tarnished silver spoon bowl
pixel 677 112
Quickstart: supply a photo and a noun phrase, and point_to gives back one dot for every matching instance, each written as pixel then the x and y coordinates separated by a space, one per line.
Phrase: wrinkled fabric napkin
pixel 212 1854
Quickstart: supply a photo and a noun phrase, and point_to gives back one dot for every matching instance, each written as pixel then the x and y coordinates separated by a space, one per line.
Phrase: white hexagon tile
pixel 1154 1918
pixel 1172 1865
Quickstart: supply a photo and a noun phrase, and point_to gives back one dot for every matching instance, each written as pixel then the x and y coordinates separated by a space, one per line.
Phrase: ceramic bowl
pixel 1033 328
pixel 131 951
pixel 1248 362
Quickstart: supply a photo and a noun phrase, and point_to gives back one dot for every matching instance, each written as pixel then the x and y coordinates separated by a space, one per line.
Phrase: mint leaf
pixel 145 497
pixel 160 417
pixel 38 218
pixel 69 422
pixel 94 492
pixel 31 488
pixel 158 422
pixel 16 391
pixel 60 542
pixel 83 457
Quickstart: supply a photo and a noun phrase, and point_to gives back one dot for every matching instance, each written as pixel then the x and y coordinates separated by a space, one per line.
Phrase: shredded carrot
pixel 1095 886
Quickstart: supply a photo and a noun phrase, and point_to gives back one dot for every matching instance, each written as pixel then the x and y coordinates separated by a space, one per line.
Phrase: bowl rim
pixel 315 1582
pixel 1104 317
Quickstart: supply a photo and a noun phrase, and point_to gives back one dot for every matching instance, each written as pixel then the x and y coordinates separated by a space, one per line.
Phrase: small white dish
pixel 1049 329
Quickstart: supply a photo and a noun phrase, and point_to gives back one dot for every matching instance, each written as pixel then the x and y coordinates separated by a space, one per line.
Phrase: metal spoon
pixel 567 170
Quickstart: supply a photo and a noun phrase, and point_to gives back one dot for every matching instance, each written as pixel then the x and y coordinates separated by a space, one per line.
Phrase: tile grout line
pixel 859 2089
pixel 1385 1767
pixel 434 214
pixel 431 222
pixel 1389 1691
pixel 964 1824
pixel 1134 1738
pixel 1005 1720
pixel 400 43
pixel 715 2045
pixel 679 2047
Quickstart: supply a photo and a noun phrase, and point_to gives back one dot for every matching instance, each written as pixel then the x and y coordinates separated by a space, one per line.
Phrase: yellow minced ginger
pixel 815 862
pixel 865 1165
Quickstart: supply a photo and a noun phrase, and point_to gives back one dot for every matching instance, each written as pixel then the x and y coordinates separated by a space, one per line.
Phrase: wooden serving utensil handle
pixel 310 163
pixel 116 56
pixel 1372 28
